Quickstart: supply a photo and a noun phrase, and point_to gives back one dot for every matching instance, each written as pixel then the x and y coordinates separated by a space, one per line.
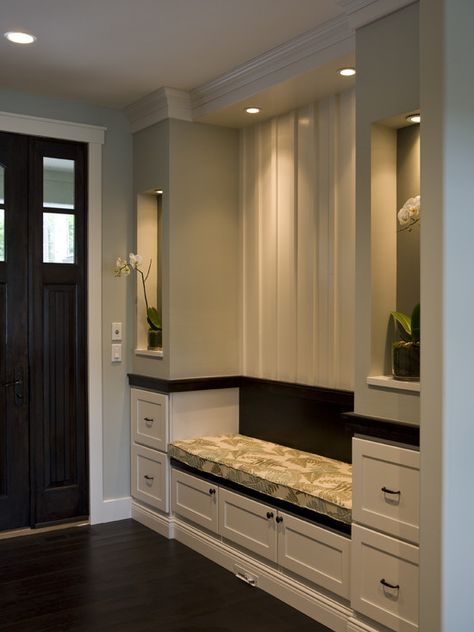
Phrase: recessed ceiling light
pixel 347 72
pixel 20 38
pixel 414 118
pixel 159 191
pixel 252 110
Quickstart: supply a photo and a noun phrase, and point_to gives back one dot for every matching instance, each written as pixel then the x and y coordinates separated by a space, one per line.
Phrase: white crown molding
pixel 362 12
pixel 157 106
pixel 301 54
pixel 294 57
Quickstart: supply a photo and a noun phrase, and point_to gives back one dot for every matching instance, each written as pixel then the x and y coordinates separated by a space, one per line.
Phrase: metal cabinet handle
pixel 269 515
pixel 17 382
pixel 386 490
pixel 391 586
pixel 279 519
pixel 149 478
pixel 212 491
pixel 149 421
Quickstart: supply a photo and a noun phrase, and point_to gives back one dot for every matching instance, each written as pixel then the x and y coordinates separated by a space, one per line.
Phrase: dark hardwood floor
pixel 122 577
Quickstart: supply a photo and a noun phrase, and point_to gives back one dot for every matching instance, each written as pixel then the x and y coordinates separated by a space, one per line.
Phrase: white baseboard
pixel 111 510
pixel 314 604
pixel 164 525
pixel 355 625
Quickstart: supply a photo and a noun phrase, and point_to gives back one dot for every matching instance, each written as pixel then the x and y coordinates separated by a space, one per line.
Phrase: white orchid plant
pixel 124 268
pixel 409 214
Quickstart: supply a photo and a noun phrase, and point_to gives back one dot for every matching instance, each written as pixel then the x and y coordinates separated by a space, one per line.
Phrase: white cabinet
pixel 195 499
pixel 298 547
pixel 149 419
pixel 317 554
pixel 385 533
pixel 150 432
pixel 150 477
pixel 385 579
pixel 385 488
pixel 248 523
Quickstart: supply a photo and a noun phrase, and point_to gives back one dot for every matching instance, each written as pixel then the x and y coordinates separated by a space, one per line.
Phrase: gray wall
pixel 387 53
pixel 116 298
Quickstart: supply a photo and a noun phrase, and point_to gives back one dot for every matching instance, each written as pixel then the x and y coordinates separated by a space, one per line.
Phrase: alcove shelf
pixel 148 353
pixel 388 382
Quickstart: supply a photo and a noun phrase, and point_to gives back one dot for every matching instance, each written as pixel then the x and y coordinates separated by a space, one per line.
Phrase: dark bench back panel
pixel 303 417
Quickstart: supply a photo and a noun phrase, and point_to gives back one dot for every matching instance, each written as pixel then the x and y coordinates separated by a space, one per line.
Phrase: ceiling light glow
pixel 414 118
pixel 347 72
pixel 18 37
pixel 252 110
pixel 159 191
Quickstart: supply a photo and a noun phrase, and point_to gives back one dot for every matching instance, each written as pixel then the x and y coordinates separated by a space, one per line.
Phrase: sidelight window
pixel 58 215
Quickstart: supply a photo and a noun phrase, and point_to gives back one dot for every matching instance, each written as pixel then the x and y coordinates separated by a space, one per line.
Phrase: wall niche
pixel 149 231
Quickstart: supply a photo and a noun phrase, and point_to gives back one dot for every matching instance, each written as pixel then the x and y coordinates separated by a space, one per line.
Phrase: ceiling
pixel 114 52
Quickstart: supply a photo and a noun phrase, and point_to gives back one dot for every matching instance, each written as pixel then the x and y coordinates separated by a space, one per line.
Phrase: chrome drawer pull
pixel 149 421
pixel 149 478
pixel 390 491
pixel 391 586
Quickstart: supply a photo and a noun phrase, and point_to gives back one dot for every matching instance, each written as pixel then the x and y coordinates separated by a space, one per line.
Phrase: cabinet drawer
pixel 385 488
pixel 316 554
pixel 150 477
pixel 379 560
pixel 248 523
pixel 195 499
pixel 149 416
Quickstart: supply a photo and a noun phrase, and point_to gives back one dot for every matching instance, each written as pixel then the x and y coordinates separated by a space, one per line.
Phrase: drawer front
pixel 149 417
pixel 385 488
pixel 384 579
pixel 150 477
pixel 195 500
pixel 248 523
pixel 316 554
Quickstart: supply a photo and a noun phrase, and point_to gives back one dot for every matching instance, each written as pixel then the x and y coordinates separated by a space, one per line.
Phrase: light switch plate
pixel 116 331
pixel 117 352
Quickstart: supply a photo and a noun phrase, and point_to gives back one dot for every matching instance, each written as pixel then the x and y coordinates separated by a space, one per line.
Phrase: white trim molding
pixel 362 12
pixel 157 106
pixel 100 509
pixel 300 54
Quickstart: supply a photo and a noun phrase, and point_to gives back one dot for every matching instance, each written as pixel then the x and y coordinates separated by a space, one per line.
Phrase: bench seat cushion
pixel 304 479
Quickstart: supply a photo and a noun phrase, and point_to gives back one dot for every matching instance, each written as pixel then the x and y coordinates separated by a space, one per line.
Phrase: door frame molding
pixel 101 510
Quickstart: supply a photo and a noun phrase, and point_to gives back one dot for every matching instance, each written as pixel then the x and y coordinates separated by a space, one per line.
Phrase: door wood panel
pixel 14 439
pixel 43 336
pixel 58 357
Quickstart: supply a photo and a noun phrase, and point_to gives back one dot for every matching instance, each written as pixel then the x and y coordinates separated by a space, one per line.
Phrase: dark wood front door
pixel 43 398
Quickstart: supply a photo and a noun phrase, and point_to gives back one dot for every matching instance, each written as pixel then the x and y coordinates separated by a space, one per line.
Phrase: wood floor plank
pixel 122 577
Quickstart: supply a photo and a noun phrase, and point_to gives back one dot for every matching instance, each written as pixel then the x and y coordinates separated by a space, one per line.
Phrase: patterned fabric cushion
pixel 301 478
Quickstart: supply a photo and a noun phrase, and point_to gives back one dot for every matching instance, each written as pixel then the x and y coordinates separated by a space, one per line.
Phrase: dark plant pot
pixel 155 339
pixel 406 361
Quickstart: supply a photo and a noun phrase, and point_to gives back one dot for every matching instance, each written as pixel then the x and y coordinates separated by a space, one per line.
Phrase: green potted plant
pixel 123 268
pixel 406 352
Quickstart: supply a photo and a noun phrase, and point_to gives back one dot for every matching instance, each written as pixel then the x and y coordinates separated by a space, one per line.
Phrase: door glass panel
pixel 58 183
pixel 58 238
pixel 2 213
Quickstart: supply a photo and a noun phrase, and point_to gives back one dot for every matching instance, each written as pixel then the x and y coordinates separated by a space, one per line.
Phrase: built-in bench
pixel 307 481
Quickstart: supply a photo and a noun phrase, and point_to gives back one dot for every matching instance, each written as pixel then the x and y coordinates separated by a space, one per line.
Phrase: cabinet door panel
pixel 150 419
pixel 195 500
pixel 384 579
pixel 248 523
pixel 385 488
pixel 316 554
pixel 150 477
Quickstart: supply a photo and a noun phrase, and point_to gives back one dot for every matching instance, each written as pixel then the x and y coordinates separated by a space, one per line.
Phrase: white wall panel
pixel 298 192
